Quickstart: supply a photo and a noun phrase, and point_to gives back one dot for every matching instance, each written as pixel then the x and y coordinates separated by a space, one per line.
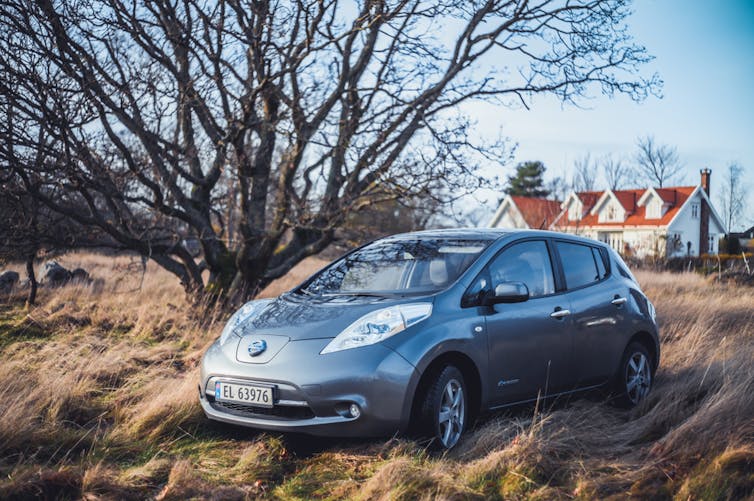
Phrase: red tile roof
pixel 670 195
pixel 636 216
pixel 589 198
pixel 537 212
pixel 628 199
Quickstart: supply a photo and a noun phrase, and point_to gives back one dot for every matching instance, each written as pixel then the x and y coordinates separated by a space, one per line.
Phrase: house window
pixel 711 245
pixel 614 239
pixel 609 213
pixel 654 210
pixel 695 211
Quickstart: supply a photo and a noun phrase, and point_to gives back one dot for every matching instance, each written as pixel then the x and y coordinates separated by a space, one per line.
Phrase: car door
pixel 529 342
pixel 597 311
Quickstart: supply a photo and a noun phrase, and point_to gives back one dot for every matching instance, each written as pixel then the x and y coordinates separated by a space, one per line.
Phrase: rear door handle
pixel 560 313
pixel 619 301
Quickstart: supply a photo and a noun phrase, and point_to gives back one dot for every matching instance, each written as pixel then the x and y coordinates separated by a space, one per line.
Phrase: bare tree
pixel 732 196
pixel 657 163
pixel 618 173
pixel 584 174
pixel 19 229
pixel 558 188
pixel 28 228
pixel 168 121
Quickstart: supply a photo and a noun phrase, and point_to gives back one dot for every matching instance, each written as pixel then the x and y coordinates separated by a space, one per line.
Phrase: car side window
pixel 600 260
pixel 579 264
pixel 527 262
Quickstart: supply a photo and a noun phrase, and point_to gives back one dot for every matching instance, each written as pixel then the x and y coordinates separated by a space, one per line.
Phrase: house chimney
pixel 706 173
pixel 704 214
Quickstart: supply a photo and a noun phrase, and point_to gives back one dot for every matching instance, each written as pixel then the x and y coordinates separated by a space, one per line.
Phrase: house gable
pixel 609 209
pixel 525 212
pixel 508 215
pixel 574 207
pixel 691 204
pixel 655 206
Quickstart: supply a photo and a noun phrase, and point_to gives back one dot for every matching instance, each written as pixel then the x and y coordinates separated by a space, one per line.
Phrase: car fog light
pixel 354 411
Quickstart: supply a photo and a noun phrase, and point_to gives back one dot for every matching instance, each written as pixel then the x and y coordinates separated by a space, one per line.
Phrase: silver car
pixel 424 331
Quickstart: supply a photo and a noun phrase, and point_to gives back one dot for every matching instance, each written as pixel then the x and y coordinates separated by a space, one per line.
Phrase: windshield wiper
pixel 306 292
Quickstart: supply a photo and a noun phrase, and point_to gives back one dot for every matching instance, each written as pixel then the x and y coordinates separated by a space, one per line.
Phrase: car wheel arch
pixel 646 340
pixel 470 373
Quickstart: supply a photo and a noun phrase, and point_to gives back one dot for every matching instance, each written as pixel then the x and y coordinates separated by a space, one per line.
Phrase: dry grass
pixel 98 386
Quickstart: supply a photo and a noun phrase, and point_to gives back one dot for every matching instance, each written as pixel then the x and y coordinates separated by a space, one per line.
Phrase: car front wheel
pixel 444 407
pixel 634 379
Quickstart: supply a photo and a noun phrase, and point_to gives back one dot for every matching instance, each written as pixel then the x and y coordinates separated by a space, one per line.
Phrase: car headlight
pixel 652 311
pixel 378 325
pixel 244 313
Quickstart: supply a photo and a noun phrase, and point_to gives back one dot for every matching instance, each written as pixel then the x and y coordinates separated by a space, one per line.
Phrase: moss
pixel 518 484
pixel 264 462
pixel 653 486
pixel 16 325
pixel 327 476
pixel 729 476
pixel 487 484
pixel 225 274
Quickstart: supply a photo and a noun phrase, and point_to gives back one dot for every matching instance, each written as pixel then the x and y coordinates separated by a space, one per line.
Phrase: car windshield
pixel 421 265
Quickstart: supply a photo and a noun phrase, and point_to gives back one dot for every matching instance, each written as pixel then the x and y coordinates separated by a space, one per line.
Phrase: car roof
pixel 488 234
pixel 460 233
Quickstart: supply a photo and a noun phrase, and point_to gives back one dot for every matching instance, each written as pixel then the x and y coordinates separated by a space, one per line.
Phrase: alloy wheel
pixel 638 377
pixel 452 413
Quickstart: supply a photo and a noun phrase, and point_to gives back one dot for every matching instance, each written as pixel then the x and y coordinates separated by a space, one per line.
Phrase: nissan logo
pixel 257 347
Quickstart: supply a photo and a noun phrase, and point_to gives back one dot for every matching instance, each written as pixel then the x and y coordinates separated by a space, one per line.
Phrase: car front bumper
pixel 313 391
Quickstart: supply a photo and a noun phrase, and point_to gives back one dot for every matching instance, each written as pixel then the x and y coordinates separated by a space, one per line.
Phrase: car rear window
pixel 579 265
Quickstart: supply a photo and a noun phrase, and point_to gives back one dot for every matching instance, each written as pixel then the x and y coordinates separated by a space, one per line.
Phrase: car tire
pixel 444 409
pixel 634 379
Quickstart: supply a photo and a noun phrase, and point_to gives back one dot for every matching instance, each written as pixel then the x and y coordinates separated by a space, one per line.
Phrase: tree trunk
pixel 31 299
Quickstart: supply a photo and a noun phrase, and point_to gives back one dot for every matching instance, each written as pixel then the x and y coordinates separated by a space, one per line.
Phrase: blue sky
pixel 704 52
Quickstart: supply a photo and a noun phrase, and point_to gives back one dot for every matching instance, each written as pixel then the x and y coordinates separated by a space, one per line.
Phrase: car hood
pixel 298 317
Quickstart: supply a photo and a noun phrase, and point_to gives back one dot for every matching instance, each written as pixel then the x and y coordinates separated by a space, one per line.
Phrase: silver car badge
pixel 257 347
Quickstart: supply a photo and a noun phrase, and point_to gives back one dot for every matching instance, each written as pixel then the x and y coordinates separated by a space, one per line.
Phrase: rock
pixel 80 275
pixel 97 285
pixel 55 275
pixel 8 280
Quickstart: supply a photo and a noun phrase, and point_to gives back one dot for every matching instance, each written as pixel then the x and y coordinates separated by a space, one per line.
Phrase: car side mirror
pixel 508 292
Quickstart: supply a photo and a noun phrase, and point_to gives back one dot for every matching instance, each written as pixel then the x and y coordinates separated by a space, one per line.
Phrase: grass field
pixel 98 389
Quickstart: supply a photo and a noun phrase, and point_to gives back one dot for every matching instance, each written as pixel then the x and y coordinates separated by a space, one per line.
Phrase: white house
pixel 674 221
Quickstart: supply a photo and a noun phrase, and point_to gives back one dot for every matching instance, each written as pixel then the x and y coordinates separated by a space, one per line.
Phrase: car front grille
pixel 279 411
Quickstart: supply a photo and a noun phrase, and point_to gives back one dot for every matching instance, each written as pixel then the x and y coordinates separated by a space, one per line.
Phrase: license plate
pixel 244 393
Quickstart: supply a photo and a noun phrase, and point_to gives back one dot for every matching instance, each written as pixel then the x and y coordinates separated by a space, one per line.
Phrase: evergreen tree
pixel 527 181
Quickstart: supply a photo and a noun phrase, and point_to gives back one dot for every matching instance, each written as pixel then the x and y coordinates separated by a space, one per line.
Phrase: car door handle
pixel 560 313
pixel 619 301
